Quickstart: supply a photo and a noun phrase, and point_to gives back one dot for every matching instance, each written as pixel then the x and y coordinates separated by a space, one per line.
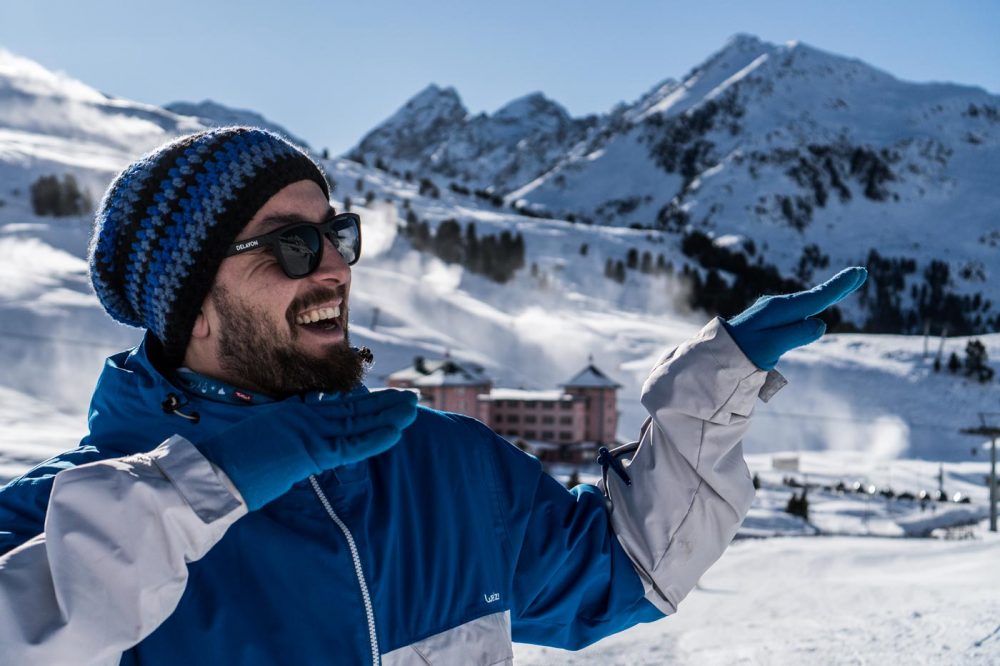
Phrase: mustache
pixel 313 298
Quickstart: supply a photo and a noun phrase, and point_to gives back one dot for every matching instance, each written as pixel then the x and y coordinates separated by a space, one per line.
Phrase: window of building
pixel 530 418
pixel 565 436
pixel 548 435
pixel 565 420
pixel 531 434
pixel 548 404
pixel 530 403
pixel 566 404
pixel 548 420
pixel 513 418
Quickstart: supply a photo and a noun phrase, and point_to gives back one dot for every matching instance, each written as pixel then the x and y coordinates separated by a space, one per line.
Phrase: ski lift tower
pixel 991 431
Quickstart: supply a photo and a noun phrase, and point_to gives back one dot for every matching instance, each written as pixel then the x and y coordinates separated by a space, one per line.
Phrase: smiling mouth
pixel 323 318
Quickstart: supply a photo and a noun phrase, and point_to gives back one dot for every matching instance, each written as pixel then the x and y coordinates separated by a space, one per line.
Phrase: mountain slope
pixel 213 114
pixel 434 134
pixel 858 393
pixel 787 155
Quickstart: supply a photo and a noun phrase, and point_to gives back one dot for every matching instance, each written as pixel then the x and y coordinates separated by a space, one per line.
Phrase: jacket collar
pixel 129 412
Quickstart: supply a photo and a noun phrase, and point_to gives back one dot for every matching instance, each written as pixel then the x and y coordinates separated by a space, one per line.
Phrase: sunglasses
pixel 299 246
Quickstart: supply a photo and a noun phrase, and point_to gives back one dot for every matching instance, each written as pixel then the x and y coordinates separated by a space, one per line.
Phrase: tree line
pixel 496 257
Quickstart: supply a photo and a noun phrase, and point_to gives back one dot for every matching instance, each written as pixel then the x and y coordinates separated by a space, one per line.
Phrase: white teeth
pixel 318 314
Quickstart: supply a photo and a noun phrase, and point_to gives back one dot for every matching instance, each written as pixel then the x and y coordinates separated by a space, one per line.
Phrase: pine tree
pixel 620 272
pixel 975 362
pixel 798 505
pixel 647 263
pixel 447 243
pixel 50 196
pixel 473 258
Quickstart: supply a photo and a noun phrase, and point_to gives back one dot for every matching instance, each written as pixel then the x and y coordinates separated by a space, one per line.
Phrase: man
pixel 242 498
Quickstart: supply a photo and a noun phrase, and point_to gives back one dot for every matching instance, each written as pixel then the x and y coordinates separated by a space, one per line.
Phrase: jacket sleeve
pixel 690 487
pixel 111 564
pixel 571 583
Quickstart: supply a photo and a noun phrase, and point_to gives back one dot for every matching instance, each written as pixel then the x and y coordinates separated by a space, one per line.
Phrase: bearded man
pixel 243 498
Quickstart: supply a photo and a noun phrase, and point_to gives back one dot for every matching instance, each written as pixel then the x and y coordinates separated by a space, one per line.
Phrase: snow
pixel 861 411
pixel 520 394
pixel 738 76
pixel 837 600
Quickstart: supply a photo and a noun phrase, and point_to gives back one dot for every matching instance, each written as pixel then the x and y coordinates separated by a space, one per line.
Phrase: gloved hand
pixel 775 324
pixel 267 453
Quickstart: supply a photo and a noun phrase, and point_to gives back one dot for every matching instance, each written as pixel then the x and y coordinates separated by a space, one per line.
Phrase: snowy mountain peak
pixel 532 105
pixel 428 107
pixel 39 103
pixel 737 53
pixel 425 120
pixel 434 92
pixel 746 42
pixel 21 76
pixel 434 134
pixel 213 114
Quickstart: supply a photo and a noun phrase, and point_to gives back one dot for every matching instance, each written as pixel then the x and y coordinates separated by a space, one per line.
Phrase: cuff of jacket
pixel 710 392
pixel 205 487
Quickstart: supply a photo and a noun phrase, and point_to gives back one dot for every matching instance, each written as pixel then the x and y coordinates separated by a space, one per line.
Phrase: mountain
pixel 213 114
pixel 434 134
pixel 780 158
pixel 530 325
pixel 52 124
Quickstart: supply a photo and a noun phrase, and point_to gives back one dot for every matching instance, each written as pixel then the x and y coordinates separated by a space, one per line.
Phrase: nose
pixel 332 267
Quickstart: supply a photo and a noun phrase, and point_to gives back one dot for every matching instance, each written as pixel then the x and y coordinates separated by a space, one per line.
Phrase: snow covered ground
pixel 822 601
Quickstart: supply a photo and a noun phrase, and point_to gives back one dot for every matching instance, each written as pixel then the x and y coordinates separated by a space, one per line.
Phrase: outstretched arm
pixel 686 489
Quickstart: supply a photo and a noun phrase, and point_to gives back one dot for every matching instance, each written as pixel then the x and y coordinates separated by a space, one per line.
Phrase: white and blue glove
pixel 266 454
pixel 776 324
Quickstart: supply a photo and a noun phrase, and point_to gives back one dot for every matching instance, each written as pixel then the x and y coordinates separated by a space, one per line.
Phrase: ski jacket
pixel 134 549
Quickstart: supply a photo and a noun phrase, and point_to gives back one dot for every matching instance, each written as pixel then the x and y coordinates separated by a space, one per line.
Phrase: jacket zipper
pixel 369 612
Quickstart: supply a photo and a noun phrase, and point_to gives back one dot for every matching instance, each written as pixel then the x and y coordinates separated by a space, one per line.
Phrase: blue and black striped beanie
pixel 166 222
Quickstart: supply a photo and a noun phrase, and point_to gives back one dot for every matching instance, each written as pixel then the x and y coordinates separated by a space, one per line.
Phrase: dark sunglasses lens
pixel 300 248
pixel 346 237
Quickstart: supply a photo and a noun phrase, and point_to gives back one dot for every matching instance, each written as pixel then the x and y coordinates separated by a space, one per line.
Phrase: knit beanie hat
pixel 167 220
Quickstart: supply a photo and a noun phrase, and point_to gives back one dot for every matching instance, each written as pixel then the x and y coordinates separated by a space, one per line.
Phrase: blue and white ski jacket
pixel 134 549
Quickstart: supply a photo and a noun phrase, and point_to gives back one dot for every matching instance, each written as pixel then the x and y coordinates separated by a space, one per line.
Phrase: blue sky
pixel 329 71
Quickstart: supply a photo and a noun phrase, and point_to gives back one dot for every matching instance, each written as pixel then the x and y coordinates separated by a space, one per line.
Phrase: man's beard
pixel 258 356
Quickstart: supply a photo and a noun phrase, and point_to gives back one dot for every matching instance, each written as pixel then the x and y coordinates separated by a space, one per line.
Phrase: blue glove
pixel 266 454
pixel 776 324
